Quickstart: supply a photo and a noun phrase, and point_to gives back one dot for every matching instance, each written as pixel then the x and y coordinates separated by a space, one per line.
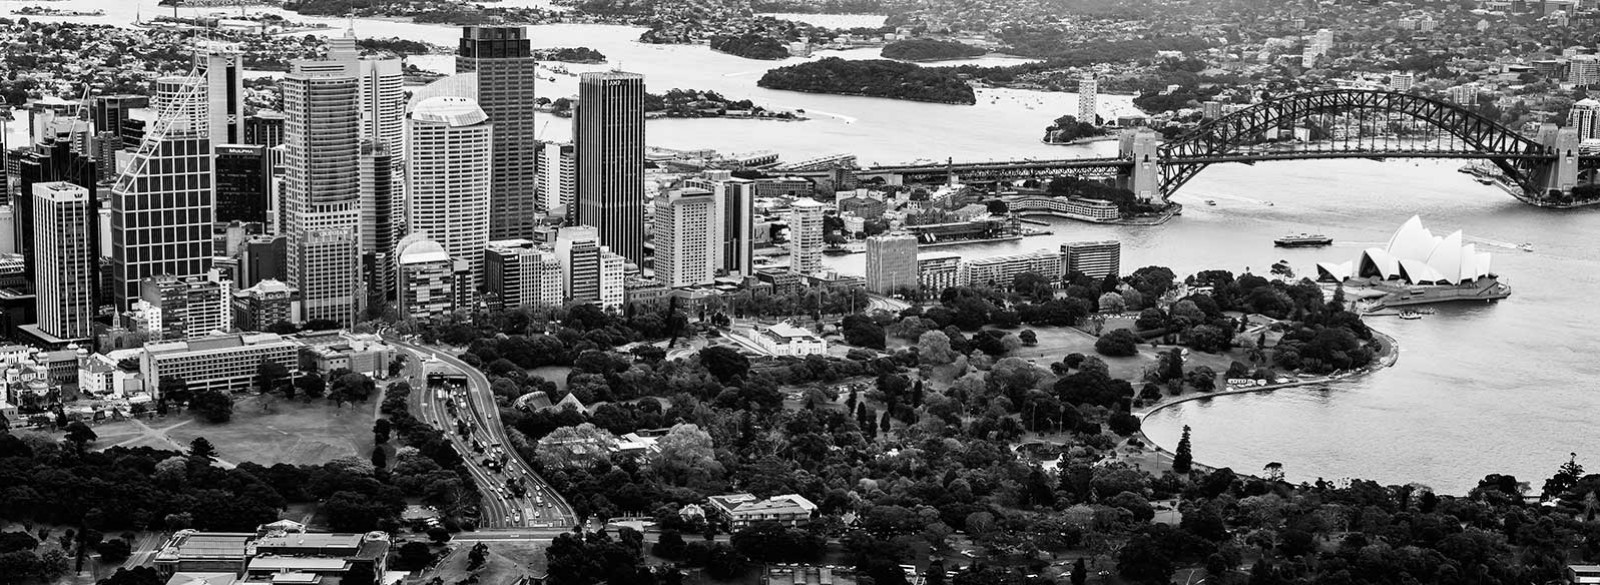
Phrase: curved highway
pixel 540 508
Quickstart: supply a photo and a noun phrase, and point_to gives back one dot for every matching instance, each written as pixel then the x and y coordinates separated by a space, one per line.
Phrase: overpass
pixel 1547 170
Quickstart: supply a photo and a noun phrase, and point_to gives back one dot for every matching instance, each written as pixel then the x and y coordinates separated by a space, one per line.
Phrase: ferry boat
pixel 1303 241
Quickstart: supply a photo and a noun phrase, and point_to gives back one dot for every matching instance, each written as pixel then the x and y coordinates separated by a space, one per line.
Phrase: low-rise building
pixel 1000 270
pixel 742 510
pixel 223 362
pixel 785 339
pixel 269 302
pixel 326 351
pixel 938 272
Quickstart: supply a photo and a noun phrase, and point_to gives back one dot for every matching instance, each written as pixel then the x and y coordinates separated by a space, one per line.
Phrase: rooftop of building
pixel 268 286
pixel 749 504
pixel 787 332
pixel 422 251
pixel 277 564
pixel 450 111
pixel 214 342
pixel 183 578
pixel 188 544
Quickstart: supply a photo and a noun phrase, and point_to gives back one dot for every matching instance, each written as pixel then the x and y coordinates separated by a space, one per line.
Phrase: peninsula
pixel 871 78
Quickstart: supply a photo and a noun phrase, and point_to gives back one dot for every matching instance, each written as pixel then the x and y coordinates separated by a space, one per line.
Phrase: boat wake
pixel 1495 243
pixel 847 119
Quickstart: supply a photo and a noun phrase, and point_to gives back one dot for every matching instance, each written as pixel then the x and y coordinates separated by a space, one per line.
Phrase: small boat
pixel 1410 315
pixel 1526 247
pixel 1303 241
pixel 1211 202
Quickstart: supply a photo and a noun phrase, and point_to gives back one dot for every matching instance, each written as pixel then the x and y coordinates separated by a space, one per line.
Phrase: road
pixel 474 403
pixel 883 303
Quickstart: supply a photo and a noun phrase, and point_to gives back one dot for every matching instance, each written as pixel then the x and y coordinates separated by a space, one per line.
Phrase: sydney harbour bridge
pixel 1543 170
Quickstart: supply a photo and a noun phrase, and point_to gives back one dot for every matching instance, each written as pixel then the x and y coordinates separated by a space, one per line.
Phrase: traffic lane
pixel 492 511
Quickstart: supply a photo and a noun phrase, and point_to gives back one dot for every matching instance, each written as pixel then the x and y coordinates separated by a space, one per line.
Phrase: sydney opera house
pixel 1417 268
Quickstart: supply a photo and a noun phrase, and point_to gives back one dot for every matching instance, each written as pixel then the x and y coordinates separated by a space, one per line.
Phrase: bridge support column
pixel 1144 180
pixel 1562 175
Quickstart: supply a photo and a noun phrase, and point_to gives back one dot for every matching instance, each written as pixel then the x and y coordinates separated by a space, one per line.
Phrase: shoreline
pixel 1383 361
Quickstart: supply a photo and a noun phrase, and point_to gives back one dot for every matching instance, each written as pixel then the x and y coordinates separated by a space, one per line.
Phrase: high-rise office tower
pixel 521 274
pixel 1097 259
pixel 427 277
pixel 49 162
pixel 62 222
pixel 161 204
pixel 382 216
pixel 262 258
pixel 506 70
pixel 450 145
pixel 805 235
pixel 736 199
pixel 1088 99
pixel 224 93
pixel 891 263
pixel 110 114
pixel 608 129
pixel 322 186
pixel 578 249
pixel 558 175
pixel 688 237
pixel 265 128
pixel 242 178
pixel 383 96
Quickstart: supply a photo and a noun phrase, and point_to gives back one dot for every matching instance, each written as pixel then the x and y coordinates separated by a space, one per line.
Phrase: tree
pixel 213 405
pixel 1182 461
pixel 312 386
pixel 575 446
pixel 380 458
pixel 415 555
pixel 1117 343
pixel 669 545
pixel 439 534
pixel 360 573
pixel 200 448
pixel 352 387
pixel 1080 573
pixel 1028 337
pixel 686 451
pixel 1203 378
pixel 134 576
pixel 725 363
pixel 80 434
pixel 1112 303
pixel 773 542
pixel 863 331
pixel 174 389
pixel 113 551
pixel 933 348
pixel 268 373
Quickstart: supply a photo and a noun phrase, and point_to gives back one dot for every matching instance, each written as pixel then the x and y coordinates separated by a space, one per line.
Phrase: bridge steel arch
pixel 1524 161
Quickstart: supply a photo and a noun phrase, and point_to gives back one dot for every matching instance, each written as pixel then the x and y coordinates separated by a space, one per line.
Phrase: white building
pixel 225 362
pixel 891 263
pixel 1585 117
pixel 805 235
pixel 612 293
pixel 1088 99
pixel 1401 82
pixel 450 146
pixel 688 237
pixel 521 274
pixel 1000 270
pixel 783 339
pixel 65 285
pixel 558 175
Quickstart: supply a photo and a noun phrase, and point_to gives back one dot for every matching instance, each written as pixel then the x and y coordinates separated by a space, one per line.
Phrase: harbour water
pixel 1503 388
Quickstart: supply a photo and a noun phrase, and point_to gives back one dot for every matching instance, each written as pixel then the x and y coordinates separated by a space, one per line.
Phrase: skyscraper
pixel 688 237
pixel 1088 99
pixel 322 184
pixel 224 94
pixel 242 178
pixel 62 222
pixel 161 204
pixel 450 179
pixel 506 70
pixel 110 114
pixel 382 216
pixel 1585 116
pixel 558 180
pixel 609 131
pixel 805 236
pixel 265 127
pixel 427 277
pixel 891 263
pixel 578 250
pixel 736 199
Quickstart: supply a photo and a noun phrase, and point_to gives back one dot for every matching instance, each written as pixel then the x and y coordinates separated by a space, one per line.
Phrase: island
pixel 750 46
pixel 686 103
pixel 570 55
pixel 871 78
pixel 930 50
pixel 1070 130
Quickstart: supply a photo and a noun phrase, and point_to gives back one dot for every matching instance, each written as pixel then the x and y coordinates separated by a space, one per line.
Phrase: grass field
pixel 283 431
pixel 507 562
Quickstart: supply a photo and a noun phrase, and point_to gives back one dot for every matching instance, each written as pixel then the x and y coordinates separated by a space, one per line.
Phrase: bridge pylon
pixel 1144 178
pixel 1561 175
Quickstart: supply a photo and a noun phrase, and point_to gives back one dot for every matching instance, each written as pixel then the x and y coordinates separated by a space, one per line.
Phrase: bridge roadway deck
pixel 1082 163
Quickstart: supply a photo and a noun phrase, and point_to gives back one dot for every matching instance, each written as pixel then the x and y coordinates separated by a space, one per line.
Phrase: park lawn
pixel 507 563
pixel 271 430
